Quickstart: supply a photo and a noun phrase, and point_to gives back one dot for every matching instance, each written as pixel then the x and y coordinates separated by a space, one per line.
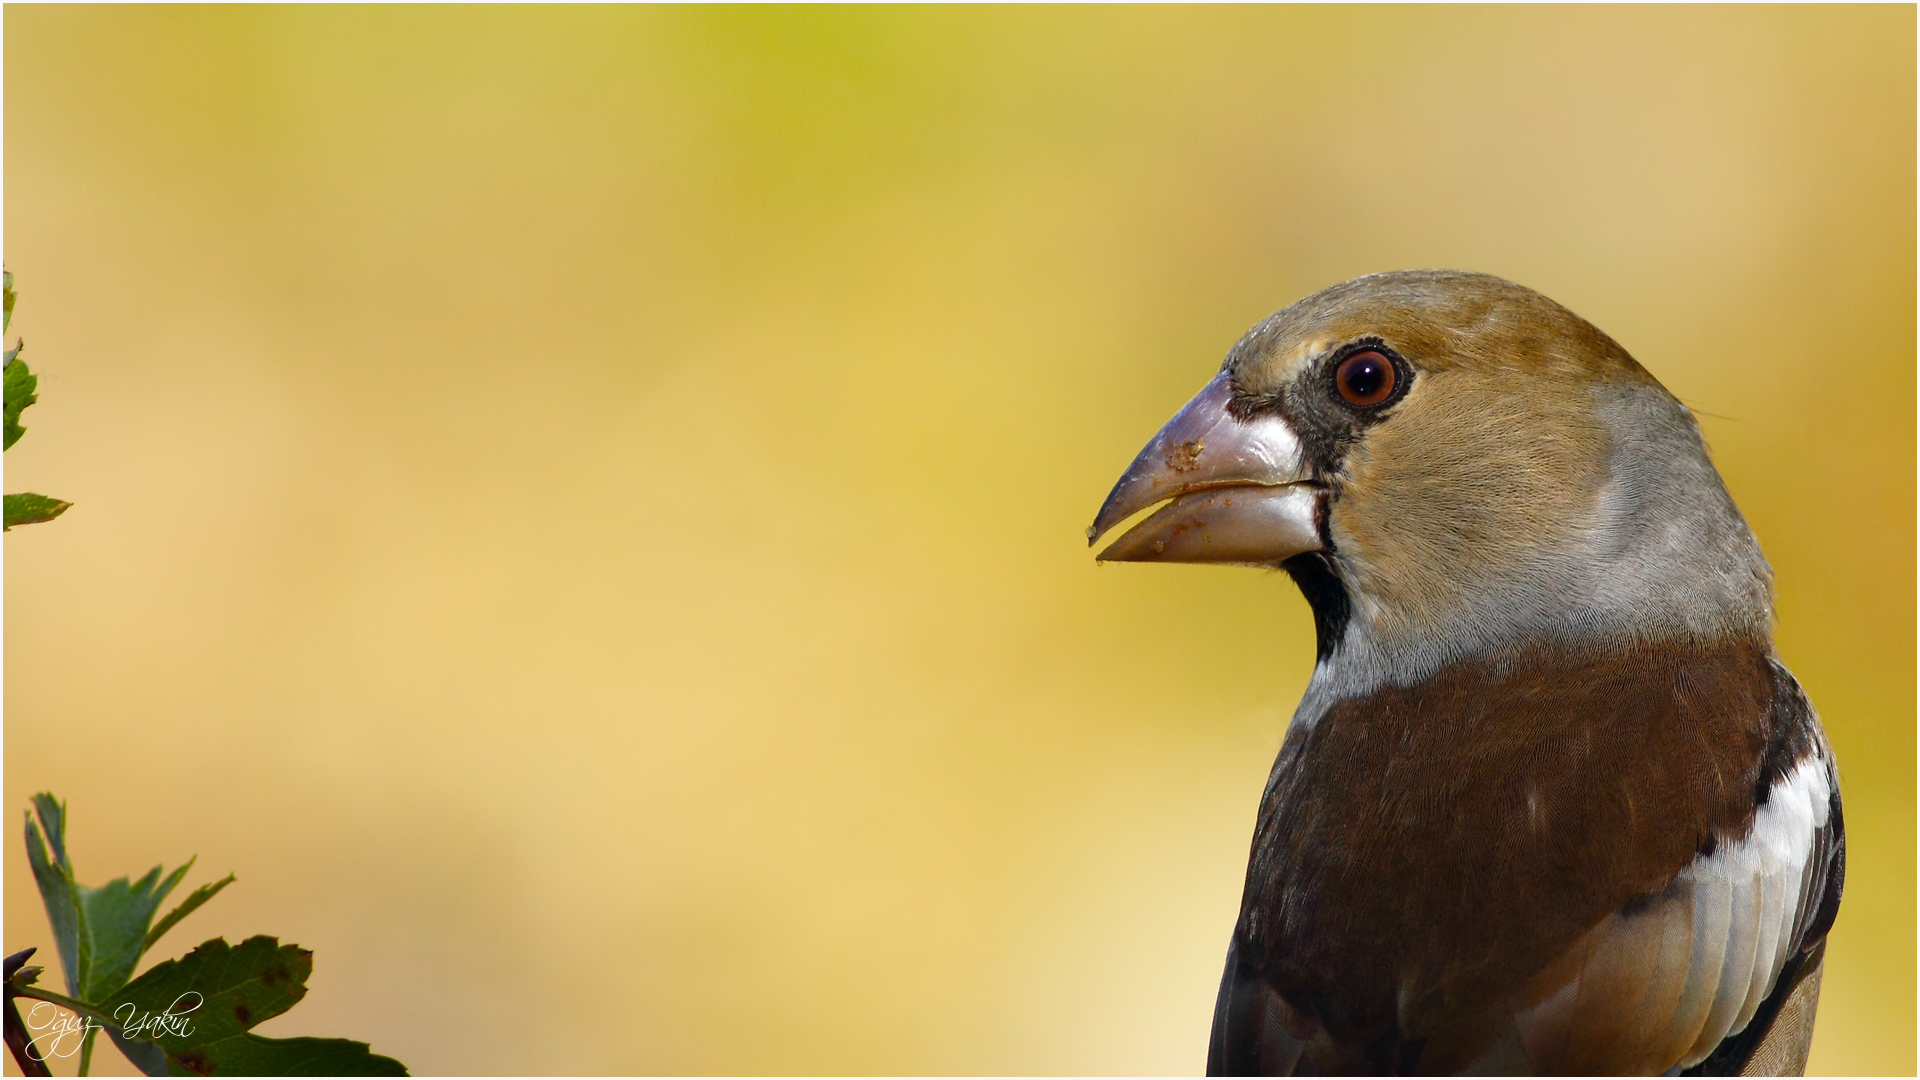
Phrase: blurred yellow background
pixel 581 508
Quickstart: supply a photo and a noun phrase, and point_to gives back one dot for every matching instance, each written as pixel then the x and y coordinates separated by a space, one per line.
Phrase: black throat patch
pixel 1326 595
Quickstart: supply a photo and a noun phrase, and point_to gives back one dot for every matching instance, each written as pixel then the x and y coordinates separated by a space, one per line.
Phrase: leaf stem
pixel 18 1042
pixel 73 1005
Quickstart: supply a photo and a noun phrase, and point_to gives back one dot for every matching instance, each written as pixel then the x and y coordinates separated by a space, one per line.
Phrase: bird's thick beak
pixel 1240 491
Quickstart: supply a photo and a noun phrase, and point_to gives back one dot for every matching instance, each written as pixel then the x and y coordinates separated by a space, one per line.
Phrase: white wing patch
pixel 1658 987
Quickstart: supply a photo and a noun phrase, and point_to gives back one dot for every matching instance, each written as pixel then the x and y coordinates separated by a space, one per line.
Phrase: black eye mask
pixel 1327 424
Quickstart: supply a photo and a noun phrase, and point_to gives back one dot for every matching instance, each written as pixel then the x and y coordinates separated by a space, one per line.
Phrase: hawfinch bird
pixel 1551 803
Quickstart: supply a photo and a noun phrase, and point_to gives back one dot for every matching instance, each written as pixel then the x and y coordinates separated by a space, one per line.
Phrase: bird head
pixel 1446 462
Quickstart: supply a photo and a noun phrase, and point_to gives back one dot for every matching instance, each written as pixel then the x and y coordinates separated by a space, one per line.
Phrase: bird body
pixel 1551 803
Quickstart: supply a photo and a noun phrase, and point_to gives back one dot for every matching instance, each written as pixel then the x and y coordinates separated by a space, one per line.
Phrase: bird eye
pixel 1365 378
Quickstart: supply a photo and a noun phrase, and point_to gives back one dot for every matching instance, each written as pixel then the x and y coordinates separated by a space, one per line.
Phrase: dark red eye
pixel 1365 378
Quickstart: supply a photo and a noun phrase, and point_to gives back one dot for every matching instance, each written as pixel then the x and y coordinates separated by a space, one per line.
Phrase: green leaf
pixel 113 929
pixel 7 320
pixel 215 992
pixel 53 817
pixel 55 878
pixel 30 509
pixel 198 1009
pixel 224 1053
pixel 255 1055
pixel 101 932
pixel 21 384
pixel 194 899
pixel 187 1017
pixel 148 1058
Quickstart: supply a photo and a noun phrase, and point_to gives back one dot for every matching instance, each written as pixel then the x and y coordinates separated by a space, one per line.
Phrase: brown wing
pixel 1782 1051
pixel 1681 978
pixel 1718 975
pixel 1250 1036
pixel 1619 867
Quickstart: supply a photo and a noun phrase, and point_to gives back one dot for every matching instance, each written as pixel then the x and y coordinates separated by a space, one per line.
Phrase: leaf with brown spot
pixel 237 987
pixel 256 1055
